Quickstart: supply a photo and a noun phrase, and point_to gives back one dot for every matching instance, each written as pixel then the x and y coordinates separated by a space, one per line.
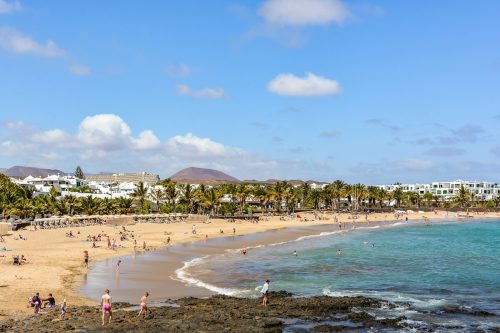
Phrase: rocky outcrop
pixel 215 314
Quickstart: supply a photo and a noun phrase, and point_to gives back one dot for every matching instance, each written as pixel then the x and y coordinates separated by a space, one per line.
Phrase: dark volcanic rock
pixel 216 314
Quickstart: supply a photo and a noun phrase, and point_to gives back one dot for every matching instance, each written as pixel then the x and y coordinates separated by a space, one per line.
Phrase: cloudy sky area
pixel 368 91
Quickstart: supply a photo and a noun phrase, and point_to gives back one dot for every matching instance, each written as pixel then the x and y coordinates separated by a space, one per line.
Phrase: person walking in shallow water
pixel 265 292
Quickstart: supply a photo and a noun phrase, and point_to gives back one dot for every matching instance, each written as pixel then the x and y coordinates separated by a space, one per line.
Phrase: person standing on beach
pixel 86 258
pixel 265 292
pixel 63 310
pixel 106 301
pixel 144 305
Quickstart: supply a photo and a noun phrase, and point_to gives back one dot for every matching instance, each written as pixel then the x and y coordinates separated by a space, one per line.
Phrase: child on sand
pixel 63 309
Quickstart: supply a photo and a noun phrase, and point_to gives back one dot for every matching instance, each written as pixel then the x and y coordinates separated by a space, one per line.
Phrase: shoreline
pixel 173 261
pixel 58 268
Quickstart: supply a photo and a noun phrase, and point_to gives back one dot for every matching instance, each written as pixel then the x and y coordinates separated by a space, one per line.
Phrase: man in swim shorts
pixel 106 306
pixel 144 305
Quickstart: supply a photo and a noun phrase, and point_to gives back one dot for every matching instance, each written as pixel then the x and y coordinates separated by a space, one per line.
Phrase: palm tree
pixel 383 195
pixel 242 193
pixel 157 195
pixel 171 192
pixel 359 192
pixel 338 191
pixel 188 196
pixel 140 194
pixel 22 208
pixel 211 200
pixel 124 205
pixel 315 198
pixel 292 198
pixel 107 206
pixel 398 195
pixel 59 207
pixel 279 191
pixel 71 203
pixel 89 205
pixel 373 192
pixel 265 196
pixel 463 197
pixel 305 190
pixel 428 198
pixel 347 192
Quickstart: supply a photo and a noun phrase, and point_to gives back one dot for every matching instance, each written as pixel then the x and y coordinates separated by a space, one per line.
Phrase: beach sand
pixel 55 262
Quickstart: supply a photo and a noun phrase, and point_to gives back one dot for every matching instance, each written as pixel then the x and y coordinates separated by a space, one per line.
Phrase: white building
pixel 448 190
pixel 60 183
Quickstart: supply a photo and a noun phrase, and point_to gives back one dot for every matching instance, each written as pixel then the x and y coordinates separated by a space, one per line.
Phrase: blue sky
pixel 375 92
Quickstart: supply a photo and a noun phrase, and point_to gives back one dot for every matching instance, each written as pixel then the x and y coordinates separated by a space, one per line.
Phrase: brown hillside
pixel 202 176
pixel 22 172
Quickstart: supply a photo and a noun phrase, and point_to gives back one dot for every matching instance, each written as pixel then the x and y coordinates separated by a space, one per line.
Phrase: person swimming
pixel 295 253
pixel 339 252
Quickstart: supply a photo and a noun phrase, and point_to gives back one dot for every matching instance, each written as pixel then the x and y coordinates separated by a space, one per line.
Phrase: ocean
pixel 441 276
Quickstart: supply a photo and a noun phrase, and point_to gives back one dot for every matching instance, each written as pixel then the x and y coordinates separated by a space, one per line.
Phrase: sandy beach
pixel 55 261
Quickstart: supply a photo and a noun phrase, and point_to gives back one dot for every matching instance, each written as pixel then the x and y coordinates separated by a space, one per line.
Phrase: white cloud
pixel 310 85
pixel 304 12
pixel 191 144
pixel 413 164
pixel 210 93
pixel 104 131
pixel 106 142
pixel 7 7
pixel 180 70
pixel 52 156
pixel 146 140
pixel 56 137
pixel 79 70
pixel 13 41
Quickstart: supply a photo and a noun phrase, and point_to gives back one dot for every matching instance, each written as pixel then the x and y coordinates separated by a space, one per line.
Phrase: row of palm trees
pixel 224 199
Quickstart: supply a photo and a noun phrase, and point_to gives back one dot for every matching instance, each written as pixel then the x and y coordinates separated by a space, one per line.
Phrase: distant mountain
pixel 22 172
pixel 203 176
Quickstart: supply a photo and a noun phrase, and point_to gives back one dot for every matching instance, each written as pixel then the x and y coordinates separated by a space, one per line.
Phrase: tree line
pixel 171 197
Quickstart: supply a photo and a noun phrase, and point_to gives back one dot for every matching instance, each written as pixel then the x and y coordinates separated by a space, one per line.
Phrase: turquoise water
pixel 440 275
